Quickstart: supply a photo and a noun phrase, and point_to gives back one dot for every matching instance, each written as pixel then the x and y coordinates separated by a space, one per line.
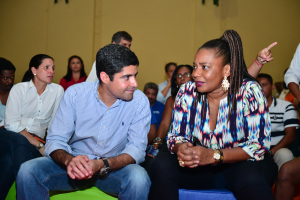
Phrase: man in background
pixel 121 38
pixel 151 90
pixel 283 122
pixel 7 78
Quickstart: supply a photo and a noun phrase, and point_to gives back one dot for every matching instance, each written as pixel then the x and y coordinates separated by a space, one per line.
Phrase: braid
pixel 238 68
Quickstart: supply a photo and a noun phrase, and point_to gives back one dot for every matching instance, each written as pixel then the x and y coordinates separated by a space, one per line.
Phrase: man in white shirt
pixel 292 76
pixel 121 38
pixel 284 122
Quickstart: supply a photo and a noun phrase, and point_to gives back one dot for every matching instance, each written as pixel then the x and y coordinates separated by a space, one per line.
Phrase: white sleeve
pixel 92 76
pixel 59 95
pixel 293 73
pixel 13 118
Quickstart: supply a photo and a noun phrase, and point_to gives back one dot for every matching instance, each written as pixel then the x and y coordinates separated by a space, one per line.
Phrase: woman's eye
pixel 195 67
pixel 46 67
pixel 205 67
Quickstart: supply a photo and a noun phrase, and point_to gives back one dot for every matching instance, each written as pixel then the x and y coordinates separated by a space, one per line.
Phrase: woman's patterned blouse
pixel 249 127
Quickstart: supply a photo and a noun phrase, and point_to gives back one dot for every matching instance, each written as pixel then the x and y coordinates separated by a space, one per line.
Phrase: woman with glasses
pixel 220 129
pixel 181 75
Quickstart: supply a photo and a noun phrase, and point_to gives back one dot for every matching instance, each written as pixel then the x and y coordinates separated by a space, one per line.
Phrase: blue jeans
pixel 39 176
pixel 15 149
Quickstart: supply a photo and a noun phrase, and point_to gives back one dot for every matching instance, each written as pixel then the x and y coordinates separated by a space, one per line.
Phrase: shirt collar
pixel 95 89
pixel 274 102
pixel 48 86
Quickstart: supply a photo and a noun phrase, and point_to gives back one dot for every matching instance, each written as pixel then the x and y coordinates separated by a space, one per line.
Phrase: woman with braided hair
pixel 220 129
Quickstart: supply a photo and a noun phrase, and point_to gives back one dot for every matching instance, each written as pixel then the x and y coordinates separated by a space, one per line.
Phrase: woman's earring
pixel 34 74
pixel 225 84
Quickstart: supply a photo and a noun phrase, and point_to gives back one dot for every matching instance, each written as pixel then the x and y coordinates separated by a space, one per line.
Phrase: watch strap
pixel 106 164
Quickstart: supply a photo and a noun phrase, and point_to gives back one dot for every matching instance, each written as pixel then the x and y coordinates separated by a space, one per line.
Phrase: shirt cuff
pixel 51 146
pixel 136 153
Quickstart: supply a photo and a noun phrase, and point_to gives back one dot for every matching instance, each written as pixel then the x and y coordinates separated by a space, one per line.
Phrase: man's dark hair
pixel 6 65
pixel 169 65
pixel 151 85
pixel 267 76
pixel 112 58
pixel 119 35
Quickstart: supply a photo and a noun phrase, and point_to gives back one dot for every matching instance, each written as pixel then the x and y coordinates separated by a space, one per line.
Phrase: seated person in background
pixel 292 76
pixel 30 109
pixel 164 89
pixel 75 74
pixel 150 90
pixel 122 38
pixel 181 75
pixel 7 78
pixel 283 122
pixel 217 121
pixel 98 136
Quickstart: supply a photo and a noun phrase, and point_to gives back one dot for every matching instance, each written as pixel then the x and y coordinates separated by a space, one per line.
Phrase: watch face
pixel 103 171
pixel 217 156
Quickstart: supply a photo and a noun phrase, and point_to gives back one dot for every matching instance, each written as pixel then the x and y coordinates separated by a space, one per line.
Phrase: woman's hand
pixel 194 156
pixel 41 150
pixel 265 55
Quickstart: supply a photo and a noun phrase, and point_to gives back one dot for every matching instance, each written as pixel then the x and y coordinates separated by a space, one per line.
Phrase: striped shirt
pixel 283 115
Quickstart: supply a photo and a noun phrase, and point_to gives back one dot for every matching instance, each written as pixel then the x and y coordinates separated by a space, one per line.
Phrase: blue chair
pixel 206 194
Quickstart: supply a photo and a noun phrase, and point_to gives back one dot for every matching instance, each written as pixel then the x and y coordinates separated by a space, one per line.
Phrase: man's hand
pixel 78 167
pixel 265 55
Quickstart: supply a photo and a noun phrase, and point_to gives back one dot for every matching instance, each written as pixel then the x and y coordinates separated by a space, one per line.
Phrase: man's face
pixel 151 94
pixel 266 86
pixel 124 43
pixel 124 83
pixel 7 78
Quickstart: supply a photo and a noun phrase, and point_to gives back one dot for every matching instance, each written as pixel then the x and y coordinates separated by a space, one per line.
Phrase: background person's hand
pixel 265 55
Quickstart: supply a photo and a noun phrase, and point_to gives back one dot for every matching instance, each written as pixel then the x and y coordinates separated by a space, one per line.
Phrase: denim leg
pixel 131 182
pixel 14 150
pixel 39 176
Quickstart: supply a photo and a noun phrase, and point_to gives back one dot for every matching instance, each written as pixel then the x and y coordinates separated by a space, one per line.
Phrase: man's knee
pixel 282 156
pixel 137 177
pixel 286 172
pixel 31 168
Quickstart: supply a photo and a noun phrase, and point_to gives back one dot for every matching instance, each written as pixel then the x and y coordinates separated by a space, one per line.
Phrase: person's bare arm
pixel 263 57
pixel 194 156
pixel 152 133
pixel 32 140
pixel 294 88
pixel 289 137
pixel 166 121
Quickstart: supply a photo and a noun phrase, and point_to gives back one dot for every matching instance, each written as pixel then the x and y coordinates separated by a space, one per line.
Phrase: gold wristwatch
pixel 218 156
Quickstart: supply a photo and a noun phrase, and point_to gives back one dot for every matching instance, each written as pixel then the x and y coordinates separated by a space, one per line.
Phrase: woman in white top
pixel 164 88
pixel 30 109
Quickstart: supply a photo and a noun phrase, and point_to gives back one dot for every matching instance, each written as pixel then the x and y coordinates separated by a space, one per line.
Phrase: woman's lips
pixel 199 83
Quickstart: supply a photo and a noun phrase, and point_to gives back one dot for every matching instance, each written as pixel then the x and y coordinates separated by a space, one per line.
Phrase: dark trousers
pixel 15 149
pixel 247 179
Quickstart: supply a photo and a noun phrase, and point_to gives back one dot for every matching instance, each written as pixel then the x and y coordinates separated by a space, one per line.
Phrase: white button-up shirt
pixel 25 109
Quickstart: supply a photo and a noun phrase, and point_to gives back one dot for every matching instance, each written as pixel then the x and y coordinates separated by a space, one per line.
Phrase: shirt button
pixel 101 143
pixel 103 126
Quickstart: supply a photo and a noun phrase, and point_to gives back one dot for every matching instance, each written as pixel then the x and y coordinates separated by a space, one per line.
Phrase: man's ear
pixel 114 43
pixel 226 70
pixel 104 77
pixel 273 87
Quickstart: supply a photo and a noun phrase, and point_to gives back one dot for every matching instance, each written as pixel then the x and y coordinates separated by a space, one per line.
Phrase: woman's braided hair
pixel 229 46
